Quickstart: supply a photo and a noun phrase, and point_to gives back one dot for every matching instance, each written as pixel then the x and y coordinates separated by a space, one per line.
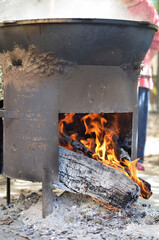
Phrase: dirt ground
pixel 151 173
pixel 80 218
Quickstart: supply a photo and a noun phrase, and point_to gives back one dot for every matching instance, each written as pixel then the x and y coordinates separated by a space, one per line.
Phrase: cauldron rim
pixel 79 21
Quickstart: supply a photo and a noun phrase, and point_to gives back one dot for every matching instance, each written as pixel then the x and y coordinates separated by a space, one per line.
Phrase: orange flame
pixel 99 140
pixel 106 205
pixel 68 119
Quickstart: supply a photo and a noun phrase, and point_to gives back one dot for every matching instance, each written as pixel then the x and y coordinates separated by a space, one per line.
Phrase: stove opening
pixel 105 137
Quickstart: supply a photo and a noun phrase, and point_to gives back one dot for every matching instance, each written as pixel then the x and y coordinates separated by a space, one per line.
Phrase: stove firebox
pixel 64 66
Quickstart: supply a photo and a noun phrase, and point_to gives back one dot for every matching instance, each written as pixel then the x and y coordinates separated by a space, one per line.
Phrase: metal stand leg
pixel 8 191
pixel 47 194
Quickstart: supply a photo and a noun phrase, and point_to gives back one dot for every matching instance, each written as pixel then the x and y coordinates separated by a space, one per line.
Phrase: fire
pixel 100 137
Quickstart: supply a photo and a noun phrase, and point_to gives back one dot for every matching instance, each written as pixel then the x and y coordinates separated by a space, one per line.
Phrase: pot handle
pixel 8 114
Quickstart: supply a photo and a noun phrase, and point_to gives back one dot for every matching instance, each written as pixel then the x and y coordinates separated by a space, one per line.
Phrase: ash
pixel 76 217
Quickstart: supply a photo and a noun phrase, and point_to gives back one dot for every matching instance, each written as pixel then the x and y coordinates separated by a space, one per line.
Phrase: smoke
pixel 89 9
pixel 25 9
pixel 35 9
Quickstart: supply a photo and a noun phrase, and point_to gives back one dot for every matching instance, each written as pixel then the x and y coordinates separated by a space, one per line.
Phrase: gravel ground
pixel 77 217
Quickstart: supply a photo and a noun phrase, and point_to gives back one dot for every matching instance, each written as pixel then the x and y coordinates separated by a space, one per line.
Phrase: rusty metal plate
pixel 31 141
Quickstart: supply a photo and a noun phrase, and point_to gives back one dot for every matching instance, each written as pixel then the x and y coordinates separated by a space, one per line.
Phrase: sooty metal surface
pixel 38 86
pixel 84 41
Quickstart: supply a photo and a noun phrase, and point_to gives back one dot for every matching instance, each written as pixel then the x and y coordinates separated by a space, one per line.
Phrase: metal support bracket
pixel 8 191
pixel 8 114
pixel 47 193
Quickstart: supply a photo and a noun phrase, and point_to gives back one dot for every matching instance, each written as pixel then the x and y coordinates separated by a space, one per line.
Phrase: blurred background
pixel 154 100
pixel 48 8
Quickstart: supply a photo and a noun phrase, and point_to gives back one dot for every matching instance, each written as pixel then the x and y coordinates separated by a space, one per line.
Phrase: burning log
pixel 85 175
pixel 78 147
pixel 98 136
pixel 75 146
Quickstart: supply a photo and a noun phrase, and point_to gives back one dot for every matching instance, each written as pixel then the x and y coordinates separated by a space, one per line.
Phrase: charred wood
pixel 85 175
pixel 146 192
pixel 76 146
pixel 123 155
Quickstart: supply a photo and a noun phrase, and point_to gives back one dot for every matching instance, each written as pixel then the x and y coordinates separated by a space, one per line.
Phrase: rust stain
pixel 34 139
pixel 35 117
pixel 37 145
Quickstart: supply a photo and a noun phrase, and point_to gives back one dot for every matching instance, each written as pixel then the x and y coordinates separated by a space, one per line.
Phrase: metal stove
pixel 102 64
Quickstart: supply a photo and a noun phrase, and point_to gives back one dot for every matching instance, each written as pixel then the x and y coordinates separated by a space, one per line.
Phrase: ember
pixel 100 134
